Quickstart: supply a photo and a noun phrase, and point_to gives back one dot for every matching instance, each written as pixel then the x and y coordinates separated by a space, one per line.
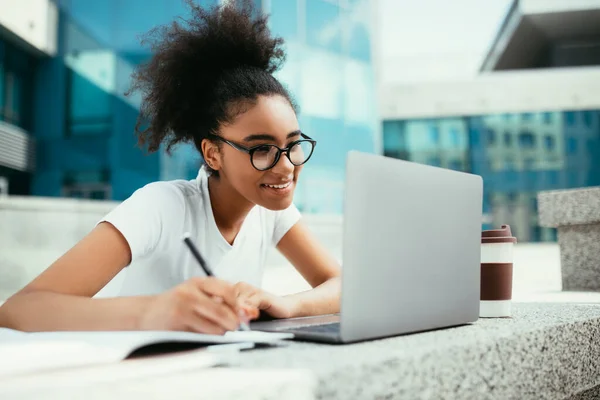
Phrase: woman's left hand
pixel 275 306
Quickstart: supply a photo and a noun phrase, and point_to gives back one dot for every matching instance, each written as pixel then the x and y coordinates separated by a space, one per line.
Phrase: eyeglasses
pixel 266 156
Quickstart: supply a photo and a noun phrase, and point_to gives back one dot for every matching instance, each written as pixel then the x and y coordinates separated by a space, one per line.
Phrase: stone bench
pixel 545 351
pixel 576 214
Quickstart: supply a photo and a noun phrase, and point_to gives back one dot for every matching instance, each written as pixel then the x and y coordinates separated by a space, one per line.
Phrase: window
pixel 456 165
pixel 474 135
pixel 356 37
pixel 435 161
pixel 588 119
pixel 527 140
pixel 491 137
pixel 547 117
pixel 549 142
pixel 572 145
pixel 536 233
pixel 570 118
pixel 89 110
pixel 573 179
pixel 16 90
pixel 434 135
pixel 553 177
pixel 527 116
pixel 1 88
pixel 454 137
pixel 284 20
pixel 320 31
pixel 507 139
pixel 87 185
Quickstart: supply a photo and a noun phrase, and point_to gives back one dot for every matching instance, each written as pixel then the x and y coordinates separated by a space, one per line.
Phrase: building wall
pixel 84 124
pixel 517 155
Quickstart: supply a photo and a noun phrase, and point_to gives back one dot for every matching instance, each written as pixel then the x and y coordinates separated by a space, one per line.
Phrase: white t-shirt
pixel 154 219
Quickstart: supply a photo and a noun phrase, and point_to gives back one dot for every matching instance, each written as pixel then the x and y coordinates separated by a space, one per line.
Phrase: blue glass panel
pixel 322 25
pixel 588 118
pixel 434 134
pixel 2 78
pixel 526 140
pixel 90 107
pixel 329 133
pixel 357 23
pixel 491 137
pixel 283 19
pixel 570 117
pixel 454 137
pixel 572 145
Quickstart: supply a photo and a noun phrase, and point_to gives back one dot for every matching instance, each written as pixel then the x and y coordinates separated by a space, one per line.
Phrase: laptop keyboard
pixel 333 328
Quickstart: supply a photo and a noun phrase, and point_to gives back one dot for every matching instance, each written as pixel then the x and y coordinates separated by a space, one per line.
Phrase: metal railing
pixel 17 148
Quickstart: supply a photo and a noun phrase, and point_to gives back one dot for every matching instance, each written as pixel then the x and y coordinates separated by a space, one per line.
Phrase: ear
pixel 212 155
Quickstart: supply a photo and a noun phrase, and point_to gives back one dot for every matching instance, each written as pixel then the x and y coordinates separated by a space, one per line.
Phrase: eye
pixel 265 149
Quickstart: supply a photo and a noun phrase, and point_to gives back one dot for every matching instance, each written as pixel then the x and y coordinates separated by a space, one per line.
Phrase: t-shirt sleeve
pixel 148 218
pixel 284 220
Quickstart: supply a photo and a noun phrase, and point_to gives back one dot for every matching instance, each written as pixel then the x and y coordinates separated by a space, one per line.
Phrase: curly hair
pixel 205 71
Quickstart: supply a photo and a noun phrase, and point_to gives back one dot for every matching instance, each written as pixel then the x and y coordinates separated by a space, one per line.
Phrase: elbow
pixel 9 310
pixel 5 320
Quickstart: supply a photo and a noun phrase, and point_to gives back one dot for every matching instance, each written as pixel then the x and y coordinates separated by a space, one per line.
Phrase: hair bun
pixel 199 63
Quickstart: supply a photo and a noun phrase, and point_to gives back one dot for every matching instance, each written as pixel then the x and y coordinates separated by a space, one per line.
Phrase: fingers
pixel 219 288
pixel 196 304
pixel 217 312
pixel 251 312
pixel 207 326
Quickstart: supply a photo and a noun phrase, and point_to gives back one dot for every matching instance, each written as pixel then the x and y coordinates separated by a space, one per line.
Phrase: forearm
pixel 323 299
pixel 48 311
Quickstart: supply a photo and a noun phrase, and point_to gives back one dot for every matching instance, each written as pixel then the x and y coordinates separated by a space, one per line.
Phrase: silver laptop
pixel 411 253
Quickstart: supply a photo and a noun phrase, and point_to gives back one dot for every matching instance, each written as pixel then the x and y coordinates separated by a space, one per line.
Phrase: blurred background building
pixel 506 89
pixel 509 90
pixel 68 128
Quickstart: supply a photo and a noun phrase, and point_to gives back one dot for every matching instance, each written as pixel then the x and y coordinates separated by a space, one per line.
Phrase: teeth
pixel 279 186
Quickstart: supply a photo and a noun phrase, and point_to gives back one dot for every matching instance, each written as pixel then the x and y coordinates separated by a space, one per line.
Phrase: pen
pixel 204 266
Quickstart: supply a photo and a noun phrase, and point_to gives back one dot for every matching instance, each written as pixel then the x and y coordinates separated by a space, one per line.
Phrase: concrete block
pixel 576 215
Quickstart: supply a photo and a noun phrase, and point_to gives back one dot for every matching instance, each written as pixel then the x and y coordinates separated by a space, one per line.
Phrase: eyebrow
pixel 265 136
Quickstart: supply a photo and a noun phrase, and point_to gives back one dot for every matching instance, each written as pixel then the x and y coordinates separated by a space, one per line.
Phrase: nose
pixel 283 166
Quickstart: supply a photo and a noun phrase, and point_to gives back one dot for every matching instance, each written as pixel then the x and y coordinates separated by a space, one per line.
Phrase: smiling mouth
pixel 282 186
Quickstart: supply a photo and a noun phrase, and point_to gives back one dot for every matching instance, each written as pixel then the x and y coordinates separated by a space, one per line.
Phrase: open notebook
pixel 22 352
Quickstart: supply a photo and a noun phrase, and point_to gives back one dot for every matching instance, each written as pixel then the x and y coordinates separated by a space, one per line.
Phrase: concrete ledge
pixel 576 214
pixel 545 351
pixel 569 207
pixel 49 204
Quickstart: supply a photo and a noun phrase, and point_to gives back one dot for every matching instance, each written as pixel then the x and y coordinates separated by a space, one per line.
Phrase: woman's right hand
pixel 205 305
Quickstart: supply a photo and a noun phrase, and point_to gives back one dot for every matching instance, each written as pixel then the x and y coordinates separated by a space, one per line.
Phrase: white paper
pixel 22 352
pixel 128 370
pixel 30 356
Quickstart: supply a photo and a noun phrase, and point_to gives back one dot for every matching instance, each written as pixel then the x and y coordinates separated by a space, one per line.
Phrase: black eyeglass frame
pixel 286 150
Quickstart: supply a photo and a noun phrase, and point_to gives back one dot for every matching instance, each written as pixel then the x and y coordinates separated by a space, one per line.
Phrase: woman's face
pixel 271 121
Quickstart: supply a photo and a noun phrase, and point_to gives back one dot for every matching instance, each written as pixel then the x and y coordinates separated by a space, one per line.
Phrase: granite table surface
pixel 545 351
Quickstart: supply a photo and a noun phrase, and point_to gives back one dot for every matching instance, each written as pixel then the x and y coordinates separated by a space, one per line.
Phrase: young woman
pixel 210 83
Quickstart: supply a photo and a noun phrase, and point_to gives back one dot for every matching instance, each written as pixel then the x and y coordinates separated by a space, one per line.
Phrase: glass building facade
pixel 517 155
pixel 17 69
pixel 83 123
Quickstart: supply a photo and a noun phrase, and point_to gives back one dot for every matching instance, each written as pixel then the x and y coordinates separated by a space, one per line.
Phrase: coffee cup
pixel 497 247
